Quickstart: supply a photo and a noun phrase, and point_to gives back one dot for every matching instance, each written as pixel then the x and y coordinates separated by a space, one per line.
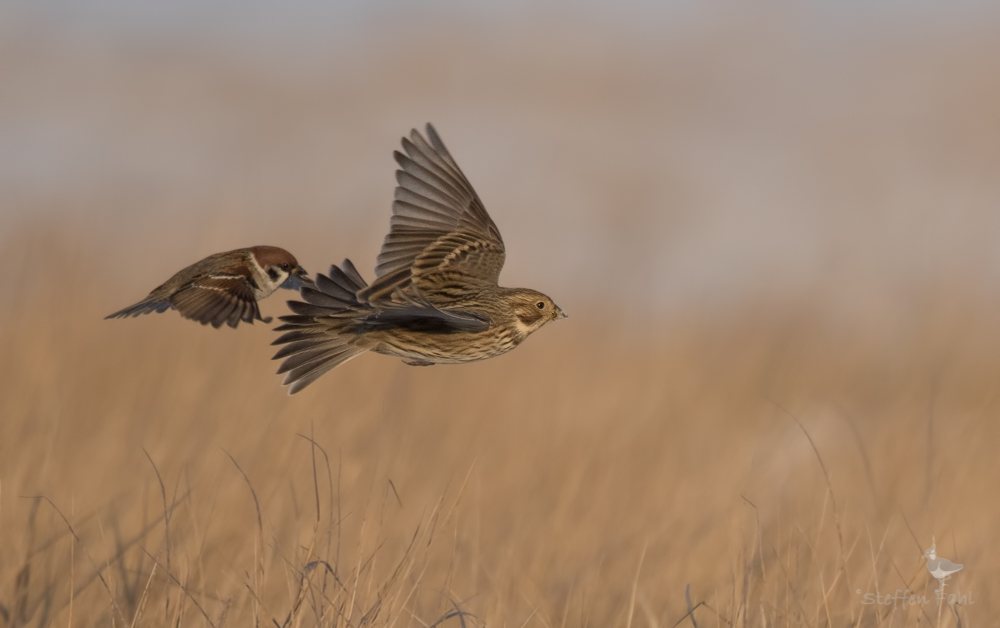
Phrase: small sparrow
pixel 435 298
pixel 225 287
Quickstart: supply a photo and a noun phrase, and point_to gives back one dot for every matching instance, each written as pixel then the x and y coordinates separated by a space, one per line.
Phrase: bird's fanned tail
pixel 316 337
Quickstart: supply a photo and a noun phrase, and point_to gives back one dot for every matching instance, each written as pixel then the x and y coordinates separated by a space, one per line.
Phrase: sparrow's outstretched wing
pixel 147 306
pixel 441 241
pixel 217 299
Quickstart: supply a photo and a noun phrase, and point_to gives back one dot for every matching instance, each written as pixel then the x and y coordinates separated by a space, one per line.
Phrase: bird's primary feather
pixel 439 227
pixel 218 300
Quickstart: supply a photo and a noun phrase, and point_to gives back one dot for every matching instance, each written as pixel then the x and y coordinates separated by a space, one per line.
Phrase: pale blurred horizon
pixel 663 156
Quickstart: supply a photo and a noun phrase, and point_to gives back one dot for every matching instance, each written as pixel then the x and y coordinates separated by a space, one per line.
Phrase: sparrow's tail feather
pixel 146 306
pixel 318 336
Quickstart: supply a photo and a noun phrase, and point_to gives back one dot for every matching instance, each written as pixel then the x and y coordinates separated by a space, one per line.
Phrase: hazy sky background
pixel 667 154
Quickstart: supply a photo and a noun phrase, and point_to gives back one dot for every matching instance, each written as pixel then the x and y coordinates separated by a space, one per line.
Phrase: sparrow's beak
pixel 560 314
pixel 303 276
pixel 297 278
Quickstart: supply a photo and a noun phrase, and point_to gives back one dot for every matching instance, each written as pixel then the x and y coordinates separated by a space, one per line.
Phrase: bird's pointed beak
pixel 304 276
pixel 560 313
pixel 297 279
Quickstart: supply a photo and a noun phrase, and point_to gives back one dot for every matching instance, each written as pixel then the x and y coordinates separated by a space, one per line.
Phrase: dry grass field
pixel 154 472
pixel 779 379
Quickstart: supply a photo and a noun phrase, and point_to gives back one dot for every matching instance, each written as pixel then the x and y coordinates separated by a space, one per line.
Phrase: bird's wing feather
pixel 422 315
pixel 217 299
pixel 440 232
pixel 146 306
pixel 410 310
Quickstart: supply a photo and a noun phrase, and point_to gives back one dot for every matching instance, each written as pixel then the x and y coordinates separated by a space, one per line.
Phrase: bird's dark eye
pixel 540 305
pixel 286 267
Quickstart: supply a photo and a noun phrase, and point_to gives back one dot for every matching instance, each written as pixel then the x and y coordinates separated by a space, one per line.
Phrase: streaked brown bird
pixel 435 298
pixel 225 287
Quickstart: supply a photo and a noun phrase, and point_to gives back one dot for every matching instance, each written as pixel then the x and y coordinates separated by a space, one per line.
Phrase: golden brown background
pixel 764 222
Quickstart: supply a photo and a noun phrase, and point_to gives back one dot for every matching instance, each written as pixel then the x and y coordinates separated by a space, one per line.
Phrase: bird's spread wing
pixel 440 235
pixel 217 299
